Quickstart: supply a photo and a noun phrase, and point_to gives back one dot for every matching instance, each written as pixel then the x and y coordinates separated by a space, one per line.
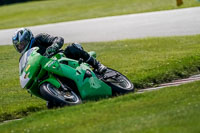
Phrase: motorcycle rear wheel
pixel 57 97
pixel 119 83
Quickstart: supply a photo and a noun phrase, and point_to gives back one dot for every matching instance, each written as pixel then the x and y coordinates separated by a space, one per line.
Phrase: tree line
pixel 5 2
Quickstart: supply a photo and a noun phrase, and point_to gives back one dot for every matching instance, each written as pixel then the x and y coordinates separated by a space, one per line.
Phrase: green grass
pixel 51 11
pixel 151 61
pixel 14 101
pixel 146 62
pixel 169 110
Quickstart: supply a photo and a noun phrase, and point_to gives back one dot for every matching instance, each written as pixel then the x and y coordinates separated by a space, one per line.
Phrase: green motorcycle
pixel 62 81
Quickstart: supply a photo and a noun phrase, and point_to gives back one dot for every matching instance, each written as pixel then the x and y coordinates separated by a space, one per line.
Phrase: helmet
pixel 22 39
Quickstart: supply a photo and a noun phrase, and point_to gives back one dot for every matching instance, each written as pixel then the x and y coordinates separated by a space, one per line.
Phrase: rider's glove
pixel 51 50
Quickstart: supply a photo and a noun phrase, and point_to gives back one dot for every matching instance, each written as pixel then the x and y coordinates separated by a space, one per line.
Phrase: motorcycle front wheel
pixel 58 97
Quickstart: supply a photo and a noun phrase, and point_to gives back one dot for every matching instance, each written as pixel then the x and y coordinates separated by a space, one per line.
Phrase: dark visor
pixel 20 46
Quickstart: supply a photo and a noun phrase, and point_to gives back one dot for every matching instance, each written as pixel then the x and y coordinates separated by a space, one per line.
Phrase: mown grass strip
pixel 146 62
pixel 51 11
pixel 151 61
pixel 174 110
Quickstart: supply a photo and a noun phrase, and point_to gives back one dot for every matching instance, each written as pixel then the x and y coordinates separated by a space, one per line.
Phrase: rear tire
pixel 57 97
pixel 50 105
pixel 119 83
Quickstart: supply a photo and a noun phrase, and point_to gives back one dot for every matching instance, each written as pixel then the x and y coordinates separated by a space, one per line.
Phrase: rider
pixel 23 40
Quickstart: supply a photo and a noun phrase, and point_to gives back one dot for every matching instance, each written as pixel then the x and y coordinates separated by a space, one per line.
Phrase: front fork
pixel 57 83
pixel 53 80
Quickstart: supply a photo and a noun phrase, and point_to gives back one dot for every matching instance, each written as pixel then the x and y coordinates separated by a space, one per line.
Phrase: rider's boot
pixel 96 65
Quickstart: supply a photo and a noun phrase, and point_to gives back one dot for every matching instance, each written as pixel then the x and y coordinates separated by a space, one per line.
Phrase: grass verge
pixel 146 62
pixel 168 110
pixel 151 61
pixel 51 11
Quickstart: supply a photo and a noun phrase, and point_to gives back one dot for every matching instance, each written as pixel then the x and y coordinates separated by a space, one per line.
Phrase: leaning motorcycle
pixel 63 81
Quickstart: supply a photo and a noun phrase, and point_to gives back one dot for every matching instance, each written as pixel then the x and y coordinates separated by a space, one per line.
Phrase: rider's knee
pixel 77 46
pixel 74 50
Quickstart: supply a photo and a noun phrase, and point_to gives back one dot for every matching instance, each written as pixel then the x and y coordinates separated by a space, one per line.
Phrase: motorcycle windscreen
pixel 22 65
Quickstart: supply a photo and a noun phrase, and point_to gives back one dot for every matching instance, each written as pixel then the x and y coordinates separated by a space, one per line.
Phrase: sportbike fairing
pixel 24 66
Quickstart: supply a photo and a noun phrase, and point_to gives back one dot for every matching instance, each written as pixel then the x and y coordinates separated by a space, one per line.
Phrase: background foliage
pixel 5 2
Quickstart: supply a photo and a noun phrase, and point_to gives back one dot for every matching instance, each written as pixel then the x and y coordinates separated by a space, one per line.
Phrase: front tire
pixel 57 97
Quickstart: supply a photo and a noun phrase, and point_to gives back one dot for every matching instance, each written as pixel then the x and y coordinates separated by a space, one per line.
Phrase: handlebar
pixel 59 51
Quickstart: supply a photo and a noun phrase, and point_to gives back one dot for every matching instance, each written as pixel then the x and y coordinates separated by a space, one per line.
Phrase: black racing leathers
pixel 43 41
pixel 74 51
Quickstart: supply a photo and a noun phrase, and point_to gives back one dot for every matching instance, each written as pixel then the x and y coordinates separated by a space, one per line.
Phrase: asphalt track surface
pixel 162 23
